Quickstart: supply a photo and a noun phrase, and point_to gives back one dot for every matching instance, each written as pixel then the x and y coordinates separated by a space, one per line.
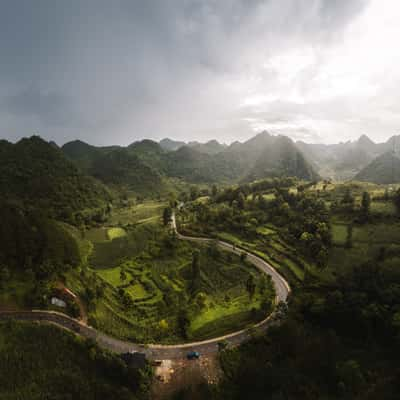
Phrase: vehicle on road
pixel 193 355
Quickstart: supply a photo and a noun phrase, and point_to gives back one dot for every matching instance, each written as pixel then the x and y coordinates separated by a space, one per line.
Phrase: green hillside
pixel 143 163
pixel 119 167
pixel 384 169
pixel 127 167
pixel 28 239
pixel 282 159
pixel 193 166
pixel 150 153
pixel 35 174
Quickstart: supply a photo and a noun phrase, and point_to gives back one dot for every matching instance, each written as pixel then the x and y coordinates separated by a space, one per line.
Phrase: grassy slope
pixel 148 211
pixel 45 362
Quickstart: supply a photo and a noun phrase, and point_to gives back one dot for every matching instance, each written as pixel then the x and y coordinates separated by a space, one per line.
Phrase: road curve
pixel 157 351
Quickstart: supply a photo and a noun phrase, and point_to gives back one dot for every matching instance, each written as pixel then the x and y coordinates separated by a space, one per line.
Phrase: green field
pixel 115 233
pixel 377 238
pixel 141 213
pixel 111 244
pixel 96 235
pixel 385 208
pixel 339 233
pixel 367 242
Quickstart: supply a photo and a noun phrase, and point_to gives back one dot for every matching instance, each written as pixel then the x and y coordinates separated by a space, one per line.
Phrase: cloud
pixel 113 72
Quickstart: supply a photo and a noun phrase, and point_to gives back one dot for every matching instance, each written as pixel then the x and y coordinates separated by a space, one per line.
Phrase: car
pixel 193 355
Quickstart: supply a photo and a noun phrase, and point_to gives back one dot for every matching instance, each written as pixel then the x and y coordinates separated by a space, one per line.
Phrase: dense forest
pixel 35 174
pixel 39 362
pixel 336 341
pixel 41 190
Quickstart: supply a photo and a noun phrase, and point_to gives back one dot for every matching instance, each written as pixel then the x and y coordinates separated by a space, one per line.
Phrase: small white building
pixel 58 302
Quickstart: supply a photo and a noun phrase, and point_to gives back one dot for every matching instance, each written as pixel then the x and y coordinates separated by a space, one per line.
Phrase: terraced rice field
pixel 147 284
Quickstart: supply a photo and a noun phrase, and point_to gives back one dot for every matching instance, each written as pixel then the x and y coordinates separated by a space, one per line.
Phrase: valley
pixel 225 253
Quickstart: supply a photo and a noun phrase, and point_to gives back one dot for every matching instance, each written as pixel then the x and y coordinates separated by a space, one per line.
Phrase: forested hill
pixel 115 165
pixel 282 159
pixel 383 169
pixel 36 175
pixel 262 156
pixel 39 186
pixel 194 166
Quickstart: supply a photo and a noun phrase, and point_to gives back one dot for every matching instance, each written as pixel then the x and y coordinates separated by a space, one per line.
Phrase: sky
pixel 113 72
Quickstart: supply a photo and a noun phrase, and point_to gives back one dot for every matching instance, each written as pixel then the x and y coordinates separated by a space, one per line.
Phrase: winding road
pixel 157 351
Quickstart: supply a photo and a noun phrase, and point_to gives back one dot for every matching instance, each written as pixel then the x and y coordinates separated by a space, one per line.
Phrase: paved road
pixel 156 351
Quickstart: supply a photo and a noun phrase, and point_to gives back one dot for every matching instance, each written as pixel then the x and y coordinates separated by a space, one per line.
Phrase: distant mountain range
pixel 38 171
pixel 144 164
pixel 345 161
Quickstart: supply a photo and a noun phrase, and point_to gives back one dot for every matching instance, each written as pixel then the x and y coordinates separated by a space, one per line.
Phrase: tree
pixel 4 276
pixel 381 254
pixel 122 274
pixel 194 193
pixel 213 250
pixel 241 201
pixel 195 270
pixel 322 258
pixel 262 202
pixel 348 200
pixel 396 200
pixel 172 200
pixel 214 190
pixel 163 324
pixel 167 215
pixel 350 374
pixel 201 299
pixel 348 197
pixel 349 237
pixel 127 299
pixel 73 309
pixel 262 286
pixel 250 286
pixel 365 206
pixel 183 322
pixel 386 195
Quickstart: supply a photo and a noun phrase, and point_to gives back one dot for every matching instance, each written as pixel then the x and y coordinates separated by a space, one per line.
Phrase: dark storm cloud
pixel 115 71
